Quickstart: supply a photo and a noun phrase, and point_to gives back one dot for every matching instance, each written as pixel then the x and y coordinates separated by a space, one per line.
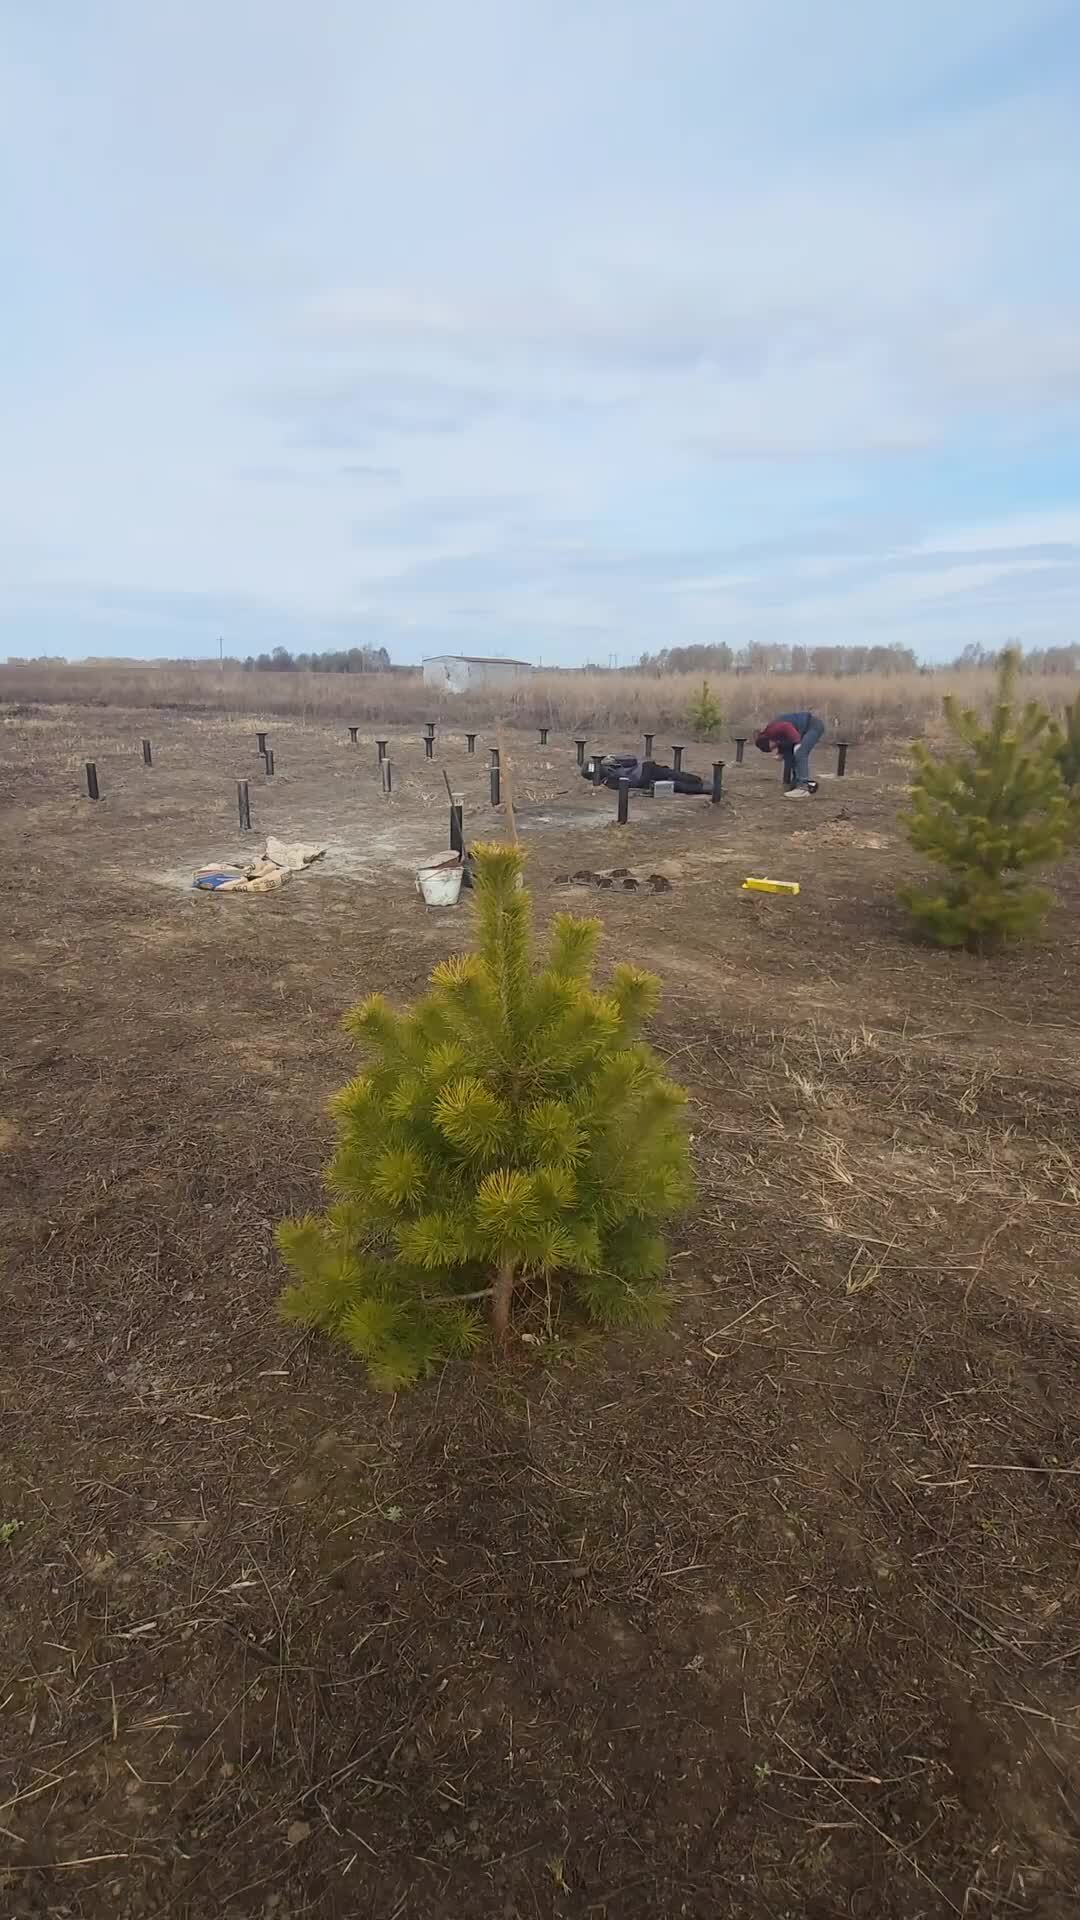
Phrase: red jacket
pixel 778 733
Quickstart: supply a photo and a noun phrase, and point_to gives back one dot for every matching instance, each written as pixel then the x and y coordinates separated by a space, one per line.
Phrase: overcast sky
pixel 563 328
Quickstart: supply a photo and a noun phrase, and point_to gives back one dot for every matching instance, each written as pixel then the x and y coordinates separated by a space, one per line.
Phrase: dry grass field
pixel 863 707
pixel 772 1616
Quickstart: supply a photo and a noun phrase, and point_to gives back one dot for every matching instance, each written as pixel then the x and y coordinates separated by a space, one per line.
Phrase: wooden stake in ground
pixel 508 787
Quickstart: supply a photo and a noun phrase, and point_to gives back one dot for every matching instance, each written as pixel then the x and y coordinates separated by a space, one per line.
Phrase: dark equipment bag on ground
pixel 641 773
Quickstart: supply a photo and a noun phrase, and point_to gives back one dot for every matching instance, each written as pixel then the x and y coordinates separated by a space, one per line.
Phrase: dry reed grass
pixel 861 707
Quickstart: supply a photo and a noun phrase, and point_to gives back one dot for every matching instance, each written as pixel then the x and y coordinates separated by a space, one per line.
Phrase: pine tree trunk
pixel 500 1305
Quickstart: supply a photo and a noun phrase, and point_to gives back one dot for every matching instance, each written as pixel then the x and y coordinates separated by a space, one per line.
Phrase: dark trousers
pixel 797 759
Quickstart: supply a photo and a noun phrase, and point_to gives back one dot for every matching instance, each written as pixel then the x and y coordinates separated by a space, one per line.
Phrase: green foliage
pixel 986 812
pixel 1066 748
pixel 512 1130
pixel 706 716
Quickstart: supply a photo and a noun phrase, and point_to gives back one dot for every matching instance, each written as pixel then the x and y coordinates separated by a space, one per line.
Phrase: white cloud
pixel 1055 527
pixel 606 320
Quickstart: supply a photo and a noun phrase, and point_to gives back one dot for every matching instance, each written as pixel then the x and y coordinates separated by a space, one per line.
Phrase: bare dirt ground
pixel 775 1614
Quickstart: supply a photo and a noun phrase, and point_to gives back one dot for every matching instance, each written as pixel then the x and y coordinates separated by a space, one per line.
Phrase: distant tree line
pixel 280 660
pixel 760 657
pixel 776 657
pixel 1032 659
pixel 343 660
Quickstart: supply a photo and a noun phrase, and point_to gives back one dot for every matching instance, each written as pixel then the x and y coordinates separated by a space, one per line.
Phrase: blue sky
pixel 557 327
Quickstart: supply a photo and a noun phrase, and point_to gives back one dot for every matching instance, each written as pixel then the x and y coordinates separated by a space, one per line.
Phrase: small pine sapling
pixel 706 715
pixel 986 813
pixel 509 1133
pixel 1066 750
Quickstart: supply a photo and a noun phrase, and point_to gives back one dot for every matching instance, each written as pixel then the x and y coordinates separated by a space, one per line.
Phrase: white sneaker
pixel 797 793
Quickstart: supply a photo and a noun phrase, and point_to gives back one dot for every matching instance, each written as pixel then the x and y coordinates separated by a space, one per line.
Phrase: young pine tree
pixel 510 1130
pixel 1067 754
pixel 986 813
pixel 706 715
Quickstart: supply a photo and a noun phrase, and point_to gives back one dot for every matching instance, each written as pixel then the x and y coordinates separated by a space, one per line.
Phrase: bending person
pixel 793 736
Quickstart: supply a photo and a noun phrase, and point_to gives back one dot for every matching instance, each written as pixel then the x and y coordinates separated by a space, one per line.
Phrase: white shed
pixel 457 672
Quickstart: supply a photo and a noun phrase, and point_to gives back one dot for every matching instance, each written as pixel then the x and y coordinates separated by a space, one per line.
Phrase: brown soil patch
pixel 775 1614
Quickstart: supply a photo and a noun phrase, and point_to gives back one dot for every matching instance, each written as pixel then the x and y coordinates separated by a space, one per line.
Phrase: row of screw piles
pixel 93 785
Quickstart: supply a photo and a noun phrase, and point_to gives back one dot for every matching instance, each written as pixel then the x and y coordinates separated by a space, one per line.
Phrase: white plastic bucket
pixel 439 881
